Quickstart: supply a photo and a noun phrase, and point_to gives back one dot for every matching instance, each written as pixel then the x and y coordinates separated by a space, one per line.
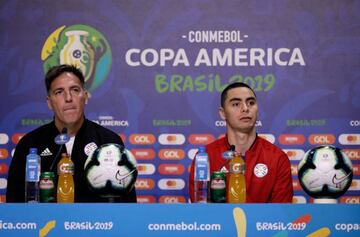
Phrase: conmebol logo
pixel 171 184
pixel 349 139
pixel 171 139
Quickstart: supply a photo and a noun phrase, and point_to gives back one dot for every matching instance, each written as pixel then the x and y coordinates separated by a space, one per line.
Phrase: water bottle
pixel 32 176
pixel 201 176
pixel 65 186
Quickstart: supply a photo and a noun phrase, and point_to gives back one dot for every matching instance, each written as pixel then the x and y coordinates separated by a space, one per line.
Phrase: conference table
pixel 278 220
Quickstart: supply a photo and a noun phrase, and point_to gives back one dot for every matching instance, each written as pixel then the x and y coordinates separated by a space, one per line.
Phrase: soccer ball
pixel 111 170
pixel 325 172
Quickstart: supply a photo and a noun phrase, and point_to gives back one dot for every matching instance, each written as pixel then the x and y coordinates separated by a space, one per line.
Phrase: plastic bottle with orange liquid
pixel 236 188
pixel 65 186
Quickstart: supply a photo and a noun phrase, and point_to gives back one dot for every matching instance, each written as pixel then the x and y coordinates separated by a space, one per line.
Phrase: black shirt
pixel 42 138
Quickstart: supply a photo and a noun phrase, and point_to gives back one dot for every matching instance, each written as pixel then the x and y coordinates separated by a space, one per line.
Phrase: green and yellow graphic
pixel 82 46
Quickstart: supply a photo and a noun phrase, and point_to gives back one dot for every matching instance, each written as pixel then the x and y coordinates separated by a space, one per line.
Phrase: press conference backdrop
pixel 155 70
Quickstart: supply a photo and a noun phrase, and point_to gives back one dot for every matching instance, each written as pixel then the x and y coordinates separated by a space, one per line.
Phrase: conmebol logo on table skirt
pixel 82 46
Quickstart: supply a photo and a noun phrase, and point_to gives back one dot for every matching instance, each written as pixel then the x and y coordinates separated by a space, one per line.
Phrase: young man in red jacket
pixel 268 173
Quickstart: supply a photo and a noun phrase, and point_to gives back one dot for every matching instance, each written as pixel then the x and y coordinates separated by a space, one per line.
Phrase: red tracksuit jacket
pixel 262 158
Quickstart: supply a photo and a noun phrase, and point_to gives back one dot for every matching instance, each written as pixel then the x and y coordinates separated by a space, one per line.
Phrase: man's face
pixel 67 99
pixel 240 110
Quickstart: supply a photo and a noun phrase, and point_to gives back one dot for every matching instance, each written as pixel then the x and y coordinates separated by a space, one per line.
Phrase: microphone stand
pixel 63 132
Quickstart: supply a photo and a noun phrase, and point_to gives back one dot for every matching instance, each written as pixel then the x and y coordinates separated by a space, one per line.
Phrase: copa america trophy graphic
pixel 82 46
pixel 78 52
pixel 325 173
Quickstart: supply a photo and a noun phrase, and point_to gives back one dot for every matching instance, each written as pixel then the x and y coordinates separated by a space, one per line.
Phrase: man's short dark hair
pixel 232 86
pixel 56 71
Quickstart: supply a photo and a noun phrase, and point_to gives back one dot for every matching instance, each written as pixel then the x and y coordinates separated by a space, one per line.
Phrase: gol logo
pixel 4 153
pixel 143 154
pixel 171 184
pixel 3 168
pixel 353 154
pixel 350 199
pixel 16 137
pixel 291 139
pixel 146 199
pixel 171 139
pixel 321 139
pixel 171 169
pixel 171 154
pixel 200 139
pixel 142 139
pixel 172 199
pixel 144 184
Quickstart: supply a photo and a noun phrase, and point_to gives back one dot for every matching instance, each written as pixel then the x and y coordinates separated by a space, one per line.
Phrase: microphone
pixel 60 139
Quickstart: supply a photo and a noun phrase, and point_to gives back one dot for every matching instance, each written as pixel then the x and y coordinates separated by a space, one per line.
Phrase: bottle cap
pixel 33 150
pixel 201 149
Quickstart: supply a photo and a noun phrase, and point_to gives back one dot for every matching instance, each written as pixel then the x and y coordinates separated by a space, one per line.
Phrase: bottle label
pixel 237 168
pixel 32 171
pixel 202 169
pixel 66 168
